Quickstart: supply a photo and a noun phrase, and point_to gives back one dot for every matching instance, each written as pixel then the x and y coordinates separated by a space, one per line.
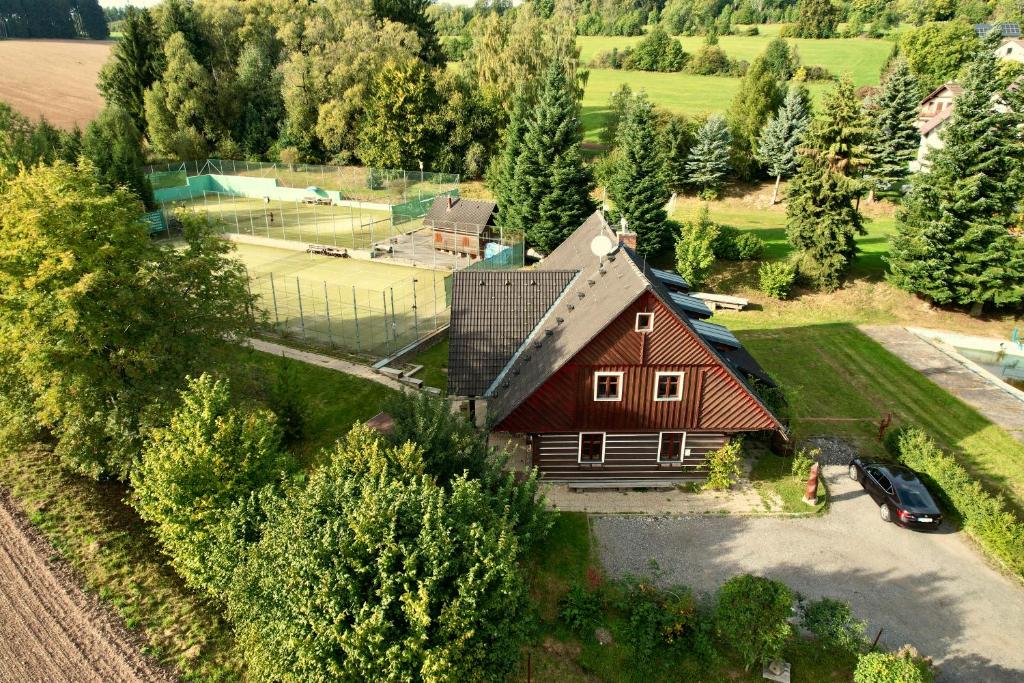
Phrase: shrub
pixel 733 245
pixel 904 666
pixel 710 60
pixel 723 466
pixel 803 460
pixel 775 279
pixel 833 623
pixel 751 617
pixel 374 571
pixel 580 609
pixel 655 618
pixel 285 398
pixel 984 516
pixel 725 243
pixel 695 248
pixel 749 246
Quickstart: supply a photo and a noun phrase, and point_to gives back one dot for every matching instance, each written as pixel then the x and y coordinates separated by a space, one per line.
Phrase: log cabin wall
pixel 628 455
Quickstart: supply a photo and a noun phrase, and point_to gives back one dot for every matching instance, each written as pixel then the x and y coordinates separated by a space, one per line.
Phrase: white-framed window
pixel 671 446
pixel 607 386
pixel 591 450
pixel 645 321
pixel 668 386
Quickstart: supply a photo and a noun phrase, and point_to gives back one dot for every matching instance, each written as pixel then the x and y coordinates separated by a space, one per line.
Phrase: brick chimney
pixel 627 238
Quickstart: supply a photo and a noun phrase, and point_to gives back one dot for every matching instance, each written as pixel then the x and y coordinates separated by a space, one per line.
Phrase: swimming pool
pixel 1003 363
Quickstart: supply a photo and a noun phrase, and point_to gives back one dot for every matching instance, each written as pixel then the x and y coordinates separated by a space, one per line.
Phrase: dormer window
pixel 645 322
pixel 607 386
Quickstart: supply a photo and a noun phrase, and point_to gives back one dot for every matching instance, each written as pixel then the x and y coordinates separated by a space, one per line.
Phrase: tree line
pixel 339 82
pixel 52 19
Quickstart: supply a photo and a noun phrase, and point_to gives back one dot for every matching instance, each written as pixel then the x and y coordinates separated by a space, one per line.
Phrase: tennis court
pixel 359 306
pixel 353 227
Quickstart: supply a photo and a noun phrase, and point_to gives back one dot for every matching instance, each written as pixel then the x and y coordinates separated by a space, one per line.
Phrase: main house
pixel 606 366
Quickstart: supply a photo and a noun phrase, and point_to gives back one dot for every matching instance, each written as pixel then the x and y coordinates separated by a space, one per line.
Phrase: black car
pixel 900 494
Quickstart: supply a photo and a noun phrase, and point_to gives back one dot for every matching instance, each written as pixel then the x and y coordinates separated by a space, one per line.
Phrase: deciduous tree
pixel 209 459
pixel 395 132
pixel 374 571
pixel 98 324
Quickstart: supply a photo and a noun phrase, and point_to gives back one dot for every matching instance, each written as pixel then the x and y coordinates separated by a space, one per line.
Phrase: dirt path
pixel 50 630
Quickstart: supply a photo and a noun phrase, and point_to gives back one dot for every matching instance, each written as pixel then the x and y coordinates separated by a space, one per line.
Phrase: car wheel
pixel 854 473
pixel 884 512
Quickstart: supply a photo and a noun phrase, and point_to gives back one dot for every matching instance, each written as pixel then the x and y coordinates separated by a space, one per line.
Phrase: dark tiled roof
pixel 465 215
pixel 492 314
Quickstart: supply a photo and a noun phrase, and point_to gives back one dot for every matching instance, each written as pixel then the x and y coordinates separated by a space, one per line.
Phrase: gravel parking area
pixel 934 590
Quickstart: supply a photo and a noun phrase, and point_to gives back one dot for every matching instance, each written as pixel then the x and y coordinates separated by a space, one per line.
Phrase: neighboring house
pixel 606 366
pixel 936 108
pixel 1012 49
pixel 932 114
pixel 462 226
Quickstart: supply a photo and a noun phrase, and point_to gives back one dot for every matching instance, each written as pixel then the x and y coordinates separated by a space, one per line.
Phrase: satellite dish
pixel 601 246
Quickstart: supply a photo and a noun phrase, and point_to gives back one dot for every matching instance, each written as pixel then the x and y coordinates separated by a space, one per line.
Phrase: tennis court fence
pixel 370 322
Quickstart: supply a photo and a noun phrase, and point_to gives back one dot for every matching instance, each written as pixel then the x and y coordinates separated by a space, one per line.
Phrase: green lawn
pixel 107 544
pixel 435 366
pixel 683 93
pixel 841 382
pixel 861 58
pixel 769 223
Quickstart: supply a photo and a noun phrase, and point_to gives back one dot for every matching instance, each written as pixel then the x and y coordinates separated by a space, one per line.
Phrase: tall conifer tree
pixel 502 173
pixel 637 184
pixel 136 63
pixel 553 183
pixel 783 134
pixel 953 244
pixel 709 158
pixel 895 138
pixel 822 219
pixel 758 98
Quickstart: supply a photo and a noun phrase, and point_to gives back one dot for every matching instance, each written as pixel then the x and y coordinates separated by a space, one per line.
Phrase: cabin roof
pixel 470 216
pixel 594 292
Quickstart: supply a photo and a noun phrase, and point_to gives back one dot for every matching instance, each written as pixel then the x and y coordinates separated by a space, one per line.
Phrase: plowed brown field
pixel 50 630
pixel 53 78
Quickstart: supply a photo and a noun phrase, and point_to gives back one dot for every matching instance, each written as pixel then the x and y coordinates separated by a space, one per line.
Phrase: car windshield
pixel 915 498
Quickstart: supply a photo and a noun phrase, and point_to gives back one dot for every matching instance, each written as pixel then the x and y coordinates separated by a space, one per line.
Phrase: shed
pixel 462 226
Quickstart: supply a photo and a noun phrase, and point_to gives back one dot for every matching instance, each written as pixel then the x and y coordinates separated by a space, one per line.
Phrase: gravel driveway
pixel 933 590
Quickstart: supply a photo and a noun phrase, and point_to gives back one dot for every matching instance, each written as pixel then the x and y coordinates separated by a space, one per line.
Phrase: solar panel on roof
pixel 670 278
pixel 690 304
pixel 1011 30
pixel 981 30
pixel 715 333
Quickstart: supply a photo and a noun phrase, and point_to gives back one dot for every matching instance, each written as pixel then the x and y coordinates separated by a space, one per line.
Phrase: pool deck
pixel 966 381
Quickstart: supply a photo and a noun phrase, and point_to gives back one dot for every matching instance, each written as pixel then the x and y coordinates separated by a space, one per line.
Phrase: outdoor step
pixel 394 373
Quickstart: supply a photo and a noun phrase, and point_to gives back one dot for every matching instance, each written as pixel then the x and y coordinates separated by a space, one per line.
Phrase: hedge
pixel 984 515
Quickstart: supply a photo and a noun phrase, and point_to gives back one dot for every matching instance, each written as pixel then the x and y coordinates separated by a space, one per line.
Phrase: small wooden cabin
pixel 462 226
pixel 607 367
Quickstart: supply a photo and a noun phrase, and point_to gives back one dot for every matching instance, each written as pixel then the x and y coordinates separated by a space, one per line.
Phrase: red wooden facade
pixel 713 400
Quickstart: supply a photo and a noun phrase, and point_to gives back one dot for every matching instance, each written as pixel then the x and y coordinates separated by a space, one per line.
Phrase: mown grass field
pixel 102 538
pixel 692 95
